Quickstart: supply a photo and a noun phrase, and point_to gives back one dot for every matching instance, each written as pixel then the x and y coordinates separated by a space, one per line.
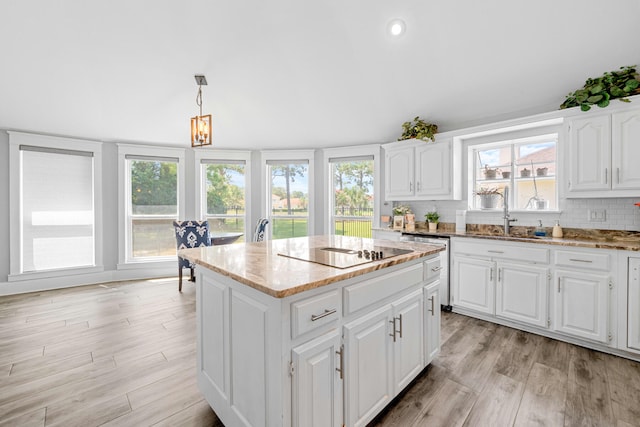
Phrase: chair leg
pixel 193 277
pixel 179 279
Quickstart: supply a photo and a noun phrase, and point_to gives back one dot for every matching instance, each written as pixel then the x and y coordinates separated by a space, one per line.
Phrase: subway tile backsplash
pixel 621 213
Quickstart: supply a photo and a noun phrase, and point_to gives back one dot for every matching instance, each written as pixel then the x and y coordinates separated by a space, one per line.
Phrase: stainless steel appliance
pixel 344 257
pixel 445 301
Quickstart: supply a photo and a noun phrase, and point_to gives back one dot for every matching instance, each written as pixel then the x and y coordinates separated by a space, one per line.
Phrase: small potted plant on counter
pixel 489 197
pixel 432 218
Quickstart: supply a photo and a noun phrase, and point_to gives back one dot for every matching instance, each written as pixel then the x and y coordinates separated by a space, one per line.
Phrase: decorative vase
pixel 433 226
pixel 541 171
pixel 525 172
pixel 489 201
pixel 490 173
pixel 506 174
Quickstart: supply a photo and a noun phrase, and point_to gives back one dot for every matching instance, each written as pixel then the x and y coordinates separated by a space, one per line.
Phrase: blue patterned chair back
pixel 261 229
pixel 191 234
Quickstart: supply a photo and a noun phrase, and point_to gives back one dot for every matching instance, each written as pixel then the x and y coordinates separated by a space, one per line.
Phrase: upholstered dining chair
pixel 261 230
pixel 190 234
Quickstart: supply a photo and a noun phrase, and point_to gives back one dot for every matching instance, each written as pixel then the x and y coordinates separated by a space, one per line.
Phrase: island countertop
pixel 259 266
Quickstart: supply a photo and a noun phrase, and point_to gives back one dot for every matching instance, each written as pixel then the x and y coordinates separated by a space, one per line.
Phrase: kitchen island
pixel 283 341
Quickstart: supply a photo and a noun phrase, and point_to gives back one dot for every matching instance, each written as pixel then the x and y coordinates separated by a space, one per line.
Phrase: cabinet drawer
pixel 314 312
pixel 504 251
pixel 369 292
pixel 591 261
pixel 432 268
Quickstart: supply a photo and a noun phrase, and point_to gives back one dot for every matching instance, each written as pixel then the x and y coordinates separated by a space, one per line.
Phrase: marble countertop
pixel 259 266
pixel 600 239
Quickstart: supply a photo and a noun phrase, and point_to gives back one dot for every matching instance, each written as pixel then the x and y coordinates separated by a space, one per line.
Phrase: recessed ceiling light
pixel 396 27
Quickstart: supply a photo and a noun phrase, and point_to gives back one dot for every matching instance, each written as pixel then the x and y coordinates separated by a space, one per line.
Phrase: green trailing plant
pixel 418 129
pixel 599 91
pixel 432 217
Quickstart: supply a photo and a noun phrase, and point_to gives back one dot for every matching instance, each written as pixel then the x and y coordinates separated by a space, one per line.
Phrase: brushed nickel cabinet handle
pixel 499 274
pixel 434 269
pixel 326 313
pixel 580 260
pixel 558 284
pixel 618 172
pixel 393 328
pixel 491 274
pixel 495 252
pixel 606 175
pixel 341 354
pixel 433 310
pixel 400 331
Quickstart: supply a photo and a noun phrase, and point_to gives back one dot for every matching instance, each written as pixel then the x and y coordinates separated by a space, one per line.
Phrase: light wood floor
pixel 123 354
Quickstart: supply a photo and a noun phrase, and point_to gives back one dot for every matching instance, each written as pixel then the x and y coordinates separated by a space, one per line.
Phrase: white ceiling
pixel 297 74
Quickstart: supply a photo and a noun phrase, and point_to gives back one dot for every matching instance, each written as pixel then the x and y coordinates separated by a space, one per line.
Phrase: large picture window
pixel 527 166
pixel 152 207
pixel 57 205
pixel 225 195
pixel 289 198
pixel 352 202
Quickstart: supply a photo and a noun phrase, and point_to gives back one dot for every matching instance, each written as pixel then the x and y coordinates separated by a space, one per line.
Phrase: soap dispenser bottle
pixel 539 231
pixel 557 230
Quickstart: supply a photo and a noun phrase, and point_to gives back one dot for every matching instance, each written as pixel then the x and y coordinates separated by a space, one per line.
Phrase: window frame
pixel 15 197
pixel 201 157
pixel 346 153
pixel 513 136
pixel 286 157
pixel 125 260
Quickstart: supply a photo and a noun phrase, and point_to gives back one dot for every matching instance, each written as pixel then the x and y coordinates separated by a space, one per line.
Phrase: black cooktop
pixel 344 258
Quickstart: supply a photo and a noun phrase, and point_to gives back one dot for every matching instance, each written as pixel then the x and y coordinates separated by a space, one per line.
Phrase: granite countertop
pixel 576 237
pixel 259 266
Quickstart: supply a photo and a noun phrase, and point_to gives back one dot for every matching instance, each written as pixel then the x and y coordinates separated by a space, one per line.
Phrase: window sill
pixel 521 211
pixel 46 274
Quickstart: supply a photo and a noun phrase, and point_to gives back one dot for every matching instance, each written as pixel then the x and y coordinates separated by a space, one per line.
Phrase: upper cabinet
pixel 601 155
pixel 416 170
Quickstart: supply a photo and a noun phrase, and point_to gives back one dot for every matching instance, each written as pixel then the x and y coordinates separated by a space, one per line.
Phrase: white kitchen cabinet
pixel 601 155
pixel 419 170
pixel 383 353
pixel 396 236
pixel 521 293
pixel 474 284
pixel 582 304
pixel 408 348
pixel 633 305
pixel 368 368
pixel 432 321
pixel 318 372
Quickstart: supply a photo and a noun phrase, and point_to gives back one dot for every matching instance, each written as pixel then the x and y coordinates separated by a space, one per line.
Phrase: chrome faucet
pixel 506 216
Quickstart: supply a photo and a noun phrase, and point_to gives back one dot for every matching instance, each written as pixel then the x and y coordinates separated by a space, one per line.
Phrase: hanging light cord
pixel 199 99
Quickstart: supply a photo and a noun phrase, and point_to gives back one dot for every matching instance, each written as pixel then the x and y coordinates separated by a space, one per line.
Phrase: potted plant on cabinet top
pixel 433 218
pixel 418 129
pixel 598 91
pixel 489 197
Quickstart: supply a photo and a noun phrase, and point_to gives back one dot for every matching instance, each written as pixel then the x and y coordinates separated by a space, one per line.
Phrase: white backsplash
pixel 621 214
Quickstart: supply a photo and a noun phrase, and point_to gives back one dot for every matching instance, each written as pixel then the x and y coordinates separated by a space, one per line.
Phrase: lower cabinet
pixel 633 305
pixel 432 321
pixel 522 293
pixel 383 352
pixel 318 368
pixel 582 302
pixel 474 286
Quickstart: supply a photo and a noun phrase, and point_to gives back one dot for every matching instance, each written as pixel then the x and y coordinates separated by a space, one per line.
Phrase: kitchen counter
pixel 598 239
pixel 259 266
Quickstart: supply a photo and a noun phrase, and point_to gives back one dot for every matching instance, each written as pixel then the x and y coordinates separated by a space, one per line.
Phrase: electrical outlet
pixel 597 215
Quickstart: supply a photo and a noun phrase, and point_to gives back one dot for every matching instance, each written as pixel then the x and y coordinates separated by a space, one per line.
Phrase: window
pixel 153 206
pixel 526 165
pixel 352 196
pixel 224 196
pixel 152 197
pixel 288 192
pixel 55 205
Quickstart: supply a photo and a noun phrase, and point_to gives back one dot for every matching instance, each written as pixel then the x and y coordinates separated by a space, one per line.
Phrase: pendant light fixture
pixel 200 125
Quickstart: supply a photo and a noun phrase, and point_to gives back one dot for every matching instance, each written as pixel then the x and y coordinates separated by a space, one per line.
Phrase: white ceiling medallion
pixel 396 27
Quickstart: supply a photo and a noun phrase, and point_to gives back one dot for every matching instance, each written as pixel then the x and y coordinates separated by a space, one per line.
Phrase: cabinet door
pixel 626 150
pixel 368 367
pixel 433 169
pixel 521 293
pixel 432 321
pixel 317 388
pixel 633 309
pixel 474 284
pixel 589 154
pixel 582 304
pixel 408 340
pixel 399 173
